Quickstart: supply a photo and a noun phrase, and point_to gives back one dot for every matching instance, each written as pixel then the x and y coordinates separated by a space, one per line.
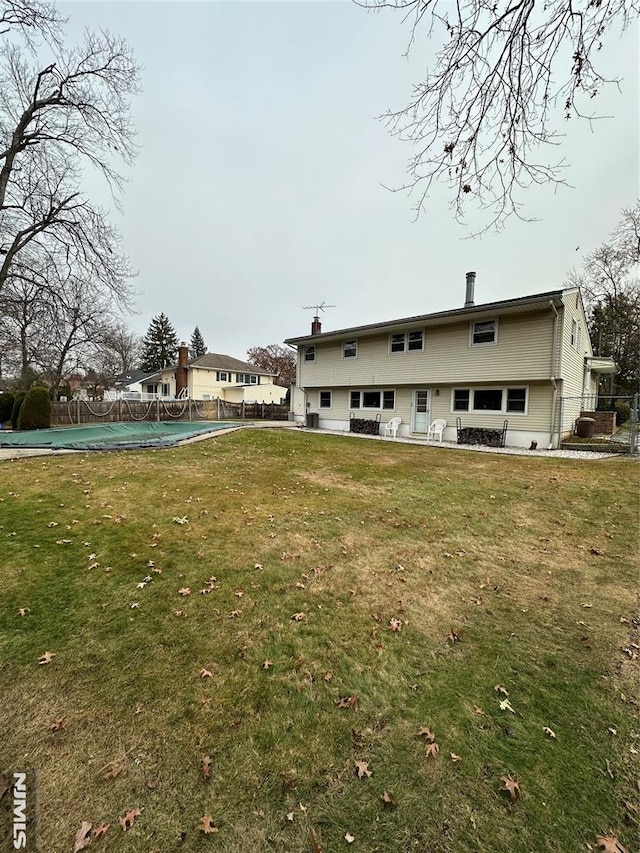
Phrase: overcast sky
pixel 258 188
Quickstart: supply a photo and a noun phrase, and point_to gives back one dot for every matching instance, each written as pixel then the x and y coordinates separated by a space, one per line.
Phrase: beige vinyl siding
pixel 571 359
pixel 539 398
pixel 522 353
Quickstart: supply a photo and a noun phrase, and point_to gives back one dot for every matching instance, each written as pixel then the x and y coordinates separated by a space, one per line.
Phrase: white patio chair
pixel 436 429
pixel 392 427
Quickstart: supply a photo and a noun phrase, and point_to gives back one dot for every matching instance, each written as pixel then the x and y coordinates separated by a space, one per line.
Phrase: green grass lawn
pixel 344 595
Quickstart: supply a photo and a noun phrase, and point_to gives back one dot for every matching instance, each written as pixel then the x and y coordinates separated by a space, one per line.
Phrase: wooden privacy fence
pixel 77 412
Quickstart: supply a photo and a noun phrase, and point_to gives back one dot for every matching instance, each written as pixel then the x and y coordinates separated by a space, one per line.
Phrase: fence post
pixel 633 436
pixel 242 410
pixel 190 418
pixel 78 410
pixel 158 409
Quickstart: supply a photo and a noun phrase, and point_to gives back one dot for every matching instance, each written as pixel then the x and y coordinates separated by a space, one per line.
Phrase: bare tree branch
pixel 479 119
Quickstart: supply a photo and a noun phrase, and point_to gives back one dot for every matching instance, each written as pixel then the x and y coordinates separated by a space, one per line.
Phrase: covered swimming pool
pixel 113 436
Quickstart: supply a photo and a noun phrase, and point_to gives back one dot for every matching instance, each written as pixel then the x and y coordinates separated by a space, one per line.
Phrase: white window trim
pixel 501 411
pixel 330 393
pixel 405 348
pixel 380 408
pixel 492 343
pixel 350 357
pixel 304 354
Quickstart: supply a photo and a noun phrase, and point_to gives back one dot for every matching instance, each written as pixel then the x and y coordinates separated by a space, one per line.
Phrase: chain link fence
pixel 615 422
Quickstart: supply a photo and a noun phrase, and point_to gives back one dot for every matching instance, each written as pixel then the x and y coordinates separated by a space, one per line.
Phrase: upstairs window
pixel 484 332
pixel 397 343
pixel 350 349
pixel 310 353
pixel 574 333
pixel 407 341
pixel 223 376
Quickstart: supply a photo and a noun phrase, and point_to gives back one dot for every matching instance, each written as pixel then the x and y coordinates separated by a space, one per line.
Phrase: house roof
pixel 131 377
pixel 520 305
pixel 217 361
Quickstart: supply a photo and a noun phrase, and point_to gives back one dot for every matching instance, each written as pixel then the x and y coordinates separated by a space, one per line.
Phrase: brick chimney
pixel 471 283
pixel 182 380
pixel 316 326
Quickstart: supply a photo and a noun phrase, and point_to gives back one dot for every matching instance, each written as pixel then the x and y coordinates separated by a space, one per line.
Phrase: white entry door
pixel 421 410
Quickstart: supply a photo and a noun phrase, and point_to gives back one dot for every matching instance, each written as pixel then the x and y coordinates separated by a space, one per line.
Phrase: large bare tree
pixel 611 287
pixel 276 359
pixel 63 112
pixel 484 118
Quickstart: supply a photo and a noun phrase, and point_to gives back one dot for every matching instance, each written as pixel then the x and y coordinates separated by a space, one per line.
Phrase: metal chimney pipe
pixel 471 283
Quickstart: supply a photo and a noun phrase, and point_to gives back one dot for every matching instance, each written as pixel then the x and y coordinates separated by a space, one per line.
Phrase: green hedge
pixel 17 405
pixel 6 406
pixel 36 409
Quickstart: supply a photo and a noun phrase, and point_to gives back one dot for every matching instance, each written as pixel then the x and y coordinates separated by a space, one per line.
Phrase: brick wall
pixel 605 421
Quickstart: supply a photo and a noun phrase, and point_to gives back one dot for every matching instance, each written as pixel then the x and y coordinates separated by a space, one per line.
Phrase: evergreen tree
pixel 197 347
pixel 160 344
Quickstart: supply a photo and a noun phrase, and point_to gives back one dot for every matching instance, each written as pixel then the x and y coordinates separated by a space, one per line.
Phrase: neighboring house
pixel 131 381
pixel 511 360
pixel 214 376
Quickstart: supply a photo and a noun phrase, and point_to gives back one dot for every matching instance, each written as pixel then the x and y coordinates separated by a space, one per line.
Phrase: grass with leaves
pixel 255 642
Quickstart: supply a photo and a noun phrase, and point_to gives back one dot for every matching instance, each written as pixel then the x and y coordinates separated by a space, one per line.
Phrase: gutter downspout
pixel 554 399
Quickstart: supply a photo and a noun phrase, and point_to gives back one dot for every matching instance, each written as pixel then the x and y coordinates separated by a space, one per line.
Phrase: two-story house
pixel 214 376
pixel 511 360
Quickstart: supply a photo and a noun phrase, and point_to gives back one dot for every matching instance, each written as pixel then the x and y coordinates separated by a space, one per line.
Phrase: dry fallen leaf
pixel 505 705
pixel 511 786
pixel 454 635
pixel 362 769
pixel 267 664
pixel 500 689
pixel 101 830
pixel 388 799
pixel 205 767
pixel 129 818
pixel 347 702
pixel 549 732
pixel 349 838
pixel 184 591
pixel 425 731
pixel 610 844
pixel 57 725
pixel 207 825
pixel 395 624
pixel 83 836
pixel 47 657
pixel 206 673
pixel 431 750
pixel 455 757
pixel 299 617
pixel 23 611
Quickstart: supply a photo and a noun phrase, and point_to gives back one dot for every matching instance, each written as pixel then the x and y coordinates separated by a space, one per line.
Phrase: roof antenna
pixel 316 326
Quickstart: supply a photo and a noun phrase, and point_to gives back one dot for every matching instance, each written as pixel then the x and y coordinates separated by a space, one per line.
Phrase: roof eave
pixel 441 317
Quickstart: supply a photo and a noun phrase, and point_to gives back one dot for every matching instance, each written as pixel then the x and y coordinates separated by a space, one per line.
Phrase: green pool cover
pixel 117 436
